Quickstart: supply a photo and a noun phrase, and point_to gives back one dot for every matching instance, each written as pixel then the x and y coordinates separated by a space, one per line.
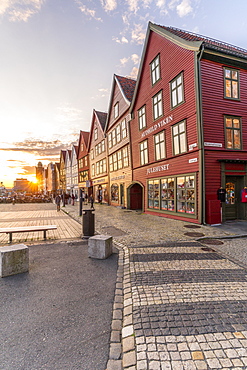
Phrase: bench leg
pixel 10 237
pixel 44 234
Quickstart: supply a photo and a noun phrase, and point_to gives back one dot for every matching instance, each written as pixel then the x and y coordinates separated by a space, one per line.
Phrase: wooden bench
pixel 26 229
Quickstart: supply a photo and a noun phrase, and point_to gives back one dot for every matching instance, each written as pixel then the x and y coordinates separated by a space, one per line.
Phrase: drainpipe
pixel 201 136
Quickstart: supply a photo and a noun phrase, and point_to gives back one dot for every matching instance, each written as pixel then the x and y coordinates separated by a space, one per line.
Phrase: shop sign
pixel 192 146
pixel 88 184
pixel 99 181
pixel 193 160
pixel 163 167
pixel 118 178
pixel 216 145
pixel 157 126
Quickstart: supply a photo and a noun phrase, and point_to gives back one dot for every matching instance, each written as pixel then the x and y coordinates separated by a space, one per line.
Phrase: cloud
pixel 135 58
pixel 134 72
pixel 88 12
pixel 124 61
pixel 138 34
pixel 38 147
pixel 123 40
pixel 133 5
pixel 20 10
pixel 67 114
pixel 184 8
pixel 109 5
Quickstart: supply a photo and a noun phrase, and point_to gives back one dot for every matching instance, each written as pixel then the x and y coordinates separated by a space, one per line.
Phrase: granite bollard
pixel 14 259
pixel 100 246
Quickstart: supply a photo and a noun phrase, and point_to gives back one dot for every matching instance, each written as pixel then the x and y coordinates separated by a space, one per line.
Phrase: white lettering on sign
pixel 157 126
pixel 118 178
pixel 216 145
pixel 163 167
pixel 192 146
pixel 193 160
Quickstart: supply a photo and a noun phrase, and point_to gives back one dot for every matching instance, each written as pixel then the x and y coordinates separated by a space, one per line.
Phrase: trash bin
pixel 88 223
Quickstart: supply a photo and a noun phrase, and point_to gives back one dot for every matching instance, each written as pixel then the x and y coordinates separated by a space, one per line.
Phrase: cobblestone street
pixel 184 300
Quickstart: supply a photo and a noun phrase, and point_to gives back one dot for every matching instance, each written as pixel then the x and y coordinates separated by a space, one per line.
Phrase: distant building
pixel 23 185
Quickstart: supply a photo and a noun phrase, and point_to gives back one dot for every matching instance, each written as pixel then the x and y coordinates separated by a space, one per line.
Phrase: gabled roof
pixel 190 41
pixel 126 86
pixel 63 155
pixel 102 117
pixel 207 41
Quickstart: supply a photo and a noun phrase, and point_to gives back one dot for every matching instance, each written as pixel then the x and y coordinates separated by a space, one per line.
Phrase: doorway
pixel 135 194
pixel 234 209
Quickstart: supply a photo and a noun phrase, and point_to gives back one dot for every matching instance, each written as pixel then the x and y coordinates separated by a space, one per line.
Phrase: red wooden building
pixel 189 127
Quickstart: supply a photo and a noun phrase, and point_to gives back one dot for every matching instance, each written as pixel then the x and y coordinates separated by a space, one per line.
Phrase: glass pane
pixel 164 205
pixel 176 145
pixel 190 194
pixel 228 88
pixel 170 205
pixel 182 143
pixel 164 184
pixel 235 89
pixel 181 206
pixel 234 75
pixel 190 182
pixel 180 182
pixel 236 123
pixel 230 193
pixel 174 98
pixel 180 94
pixel 173 85
pixel 190 208
pixel 236 139
pixel 175 130
pixel 229 141
pixel 181 127
pixel 227 73
pixel 228 122
pixel 162 150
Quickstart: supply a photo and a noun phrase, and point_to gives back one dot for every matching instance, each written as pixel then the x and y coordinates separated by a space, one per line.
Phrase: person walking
pixel 58 201
pixel 91 200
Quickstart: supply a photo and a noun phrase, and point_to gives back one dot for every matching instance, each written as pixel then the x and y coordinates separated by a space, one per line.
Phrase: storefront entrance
pixel 234 208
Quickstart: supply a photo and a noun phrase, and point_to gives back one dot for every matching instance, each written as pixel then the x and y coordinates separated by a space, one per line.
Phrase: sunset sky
pixel 58 58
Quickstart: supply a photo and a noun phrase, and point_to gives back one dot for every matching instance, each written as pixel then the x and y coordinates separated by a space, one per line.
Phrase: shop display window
pixel 186 194
pixel 174 194
pixel 167 194
pixel 153 194
pixel 114 193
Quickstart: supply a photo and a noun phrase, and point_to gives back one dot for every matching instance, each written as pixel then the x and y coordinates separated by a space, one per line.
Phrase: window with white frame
pixel 96 133
pixel 144 152
pixel 157 105
pixel 119 159
pixel 231 83
pixel 179 138
pixel 177 90
pixel 115 163
pixel 93 170
pixel 142 117
pixel 103 145
pixel 113 137
pixel 118 133
pixel 125 157
pixel 110 140
pixel 124 128
pixel 110 163
pixel 116 110
pixel 159 146
pixel 155 70
pixel 92 154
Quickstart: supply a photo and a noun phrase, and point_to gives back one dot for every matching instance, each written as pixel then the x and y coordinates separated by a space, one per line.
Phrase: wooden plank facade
pixel 186 131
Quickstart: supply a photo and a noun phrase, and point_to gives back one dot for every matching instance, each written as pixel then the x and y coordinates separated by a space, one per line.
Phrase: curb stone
pixel 122 312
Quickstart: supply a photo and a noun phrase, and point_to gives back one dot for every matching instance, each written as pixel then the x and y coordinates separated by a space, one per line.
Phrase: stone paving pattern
pixel 179 303
pixel 184 303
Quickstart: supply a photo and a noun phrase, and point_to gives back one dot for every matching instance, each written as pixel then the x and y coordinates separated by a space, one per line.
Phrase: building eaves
pixel 208 42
